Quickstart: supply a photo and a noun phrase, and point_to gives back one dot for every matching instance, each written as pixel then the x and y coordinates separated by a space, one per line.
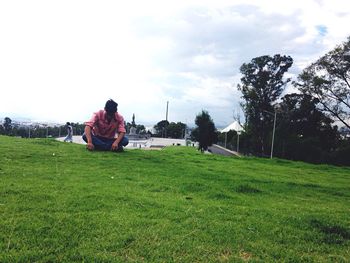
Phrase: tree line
pixel 305 123
pixel 37 131
pixel 161 129
pixel 166 129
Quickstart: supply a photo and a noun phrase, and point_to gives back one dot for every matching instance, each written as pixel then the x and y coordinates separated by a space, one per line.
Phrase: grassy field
pixel 59 202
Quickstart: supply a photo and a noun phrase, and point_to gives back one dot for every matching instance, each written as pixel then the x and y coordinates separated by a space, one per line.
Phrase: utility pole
pixel 166 118
pixel 273 135
pixel 273 131
pixel 166 114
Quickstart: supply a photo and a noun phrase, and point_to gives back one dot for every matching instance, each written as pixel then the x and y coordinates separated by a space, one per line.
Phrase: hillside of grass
pixel 60 202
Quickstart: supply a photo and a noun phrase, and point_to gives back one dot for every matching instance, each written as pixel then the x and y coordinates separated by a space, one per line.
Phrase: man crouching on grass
pixel 101 130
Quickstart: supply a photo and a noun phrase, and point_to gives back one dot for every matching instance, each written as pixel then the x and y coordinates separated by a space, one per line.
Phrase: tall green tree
pixel 305 132
pixel 328 80
pixel 176 130
pixel 160 128
pixel 205 133
pixel 262 85
pixel 7 125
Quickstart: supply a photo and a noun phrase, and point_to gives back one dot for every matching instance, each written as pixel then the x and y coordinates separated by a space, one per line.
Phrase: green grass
pixel 60 202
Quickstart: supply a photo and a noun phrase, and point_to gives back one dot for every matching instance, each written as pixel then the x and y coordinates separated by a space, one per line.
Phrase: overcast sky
pixel 61 60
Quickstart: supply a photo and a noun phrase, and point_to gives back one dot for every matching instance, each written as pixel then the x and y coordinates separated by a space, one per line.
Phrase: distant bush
pixel 341 156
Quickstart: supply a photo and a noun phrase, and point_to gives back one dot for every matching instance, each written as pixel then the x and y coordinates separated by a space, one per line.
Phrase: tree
pixel 328 80
pixel 305 132
pixel 7 125
pixel 176 130
pixel 205 133
pixel 230 138
pixel 161 127
pixel 261 86
pixel 140 129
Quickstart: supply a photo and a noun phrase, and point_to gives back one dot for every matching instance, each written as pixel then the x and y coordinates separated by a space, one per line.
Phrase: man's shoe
pixel 120 149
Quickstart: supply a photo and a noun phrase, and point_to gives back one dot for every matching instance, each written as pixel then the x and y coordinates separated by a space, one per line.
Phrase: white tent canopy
pixel 233 126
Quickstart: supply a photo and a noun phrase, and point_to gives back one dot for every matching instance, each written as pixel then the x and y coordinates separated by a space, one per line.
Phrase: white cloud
pixel 61 60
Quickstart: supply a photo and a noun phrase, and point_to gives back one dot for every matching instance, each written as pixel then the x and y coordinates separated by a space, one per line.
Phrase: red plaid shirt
pixel 101 127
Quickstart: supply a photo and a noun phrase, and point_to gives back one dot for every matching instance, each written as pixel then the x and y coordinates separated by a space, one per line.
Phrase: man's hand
pixel 90 146
pixel 115 145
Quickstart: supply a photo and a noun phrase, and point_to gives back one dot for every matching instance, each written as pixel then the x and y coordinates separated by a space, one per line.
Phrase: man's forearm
pixel 120 137
pixel 88 134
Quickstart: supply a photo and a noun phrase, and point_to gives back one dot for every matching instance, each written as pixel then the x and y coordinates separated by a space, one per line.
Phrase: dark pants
pixel 105 144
